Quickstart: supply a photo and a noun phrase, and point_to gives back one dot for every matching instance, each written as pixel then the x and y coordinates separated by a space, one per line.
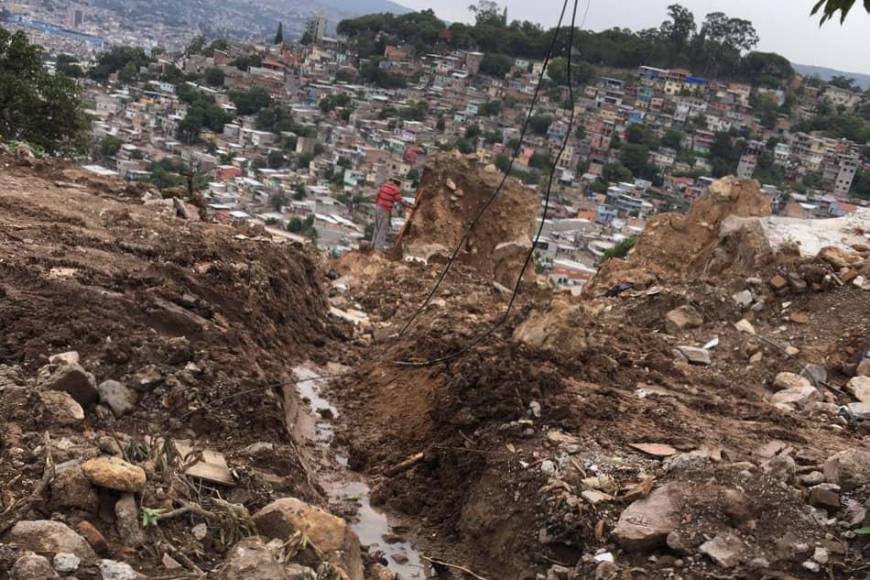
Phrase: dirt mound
pixel 170 328
pixel 673 245
pixel 453 189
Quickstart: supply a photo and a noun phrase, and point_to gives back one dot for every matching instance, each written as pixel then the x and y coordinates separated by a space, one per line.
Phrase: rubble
pixel 48 537
pixel 113 473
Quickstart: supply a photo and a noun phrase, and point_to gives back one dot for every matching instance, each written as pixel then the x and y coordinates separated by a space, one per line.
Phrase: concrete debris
pixel 743 298
pixel 695 355
pixel 210 466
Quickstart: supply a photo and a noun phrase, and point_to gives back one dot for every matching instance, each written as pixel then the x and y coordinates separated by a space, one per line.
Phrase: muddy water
pixel 374 528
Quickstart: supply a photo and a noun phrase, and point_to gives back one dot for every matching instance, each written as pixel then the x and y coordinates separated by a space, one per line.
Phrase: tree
pixel 843 82
pixel 766 108
pixel 634 157
pixel 673 138
pixel 734 33
pixel 487 12
pixel 829 8
pixel 581 72
pixel 252 101
pixel 275 160
pixel 214 77
pixel 35 106
pixel 539 124
pixel 496 65
pixel 680 28
pixel 124 60
pixel 69 66
pixel 279 36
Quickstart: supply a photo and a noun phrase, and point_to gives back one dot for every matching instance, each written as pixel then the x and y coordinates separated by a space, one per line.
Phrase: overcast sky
pixel 784 25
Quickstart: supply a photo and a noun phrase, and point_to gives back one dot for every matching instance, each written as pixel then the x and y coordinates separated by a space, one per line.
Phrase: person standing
pixel 389 194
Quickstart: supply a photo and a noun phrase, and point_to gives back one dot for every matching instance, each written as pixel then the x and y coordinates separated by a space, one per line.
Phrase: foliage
pixel 275 160
pixel 829 8
pixel 540 123
pixel 246 61
pixel 615 172
pixel 334 101
pixel 766 108
pixel 496 65
pixel 634 157
pixel 838 125
pixel 69 66
pixel 581 72
pixel 415 111
pixel 37 107
pixel 372 74
pixel 620 250
pixel 120 58
pixel 252 101
pixel 673 138
pixel 110 145
pixel 490 109
pixel 202 113
pixel 214 77
pixel 279 35
pixel 861 185
pixel 278 118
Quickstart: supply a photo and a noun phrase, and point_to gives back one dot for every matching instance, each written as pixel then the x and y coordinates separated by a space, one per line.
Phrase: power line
pixel 489 332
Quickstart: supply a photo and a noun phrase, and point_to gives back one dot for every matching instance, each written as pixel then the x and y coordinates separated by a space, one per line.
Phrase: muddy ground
pixel 582 439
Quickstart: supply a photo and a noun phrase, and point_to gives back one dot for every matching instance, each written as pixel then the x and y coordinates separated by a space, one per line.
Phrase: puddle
pixel 371 525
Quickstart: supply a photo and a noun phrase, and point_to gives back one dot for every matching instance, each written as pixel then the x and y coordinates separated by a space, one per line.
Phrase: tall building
pixel 75 18
pixel 848 169
pixel 316 28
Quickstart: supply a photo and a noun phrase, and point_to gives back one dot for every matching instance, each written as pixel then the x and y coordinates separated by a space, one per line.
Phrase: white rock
pixel 860 388
pixel 112 570
pixel 65 562
pixel 743 298
pixel 745 326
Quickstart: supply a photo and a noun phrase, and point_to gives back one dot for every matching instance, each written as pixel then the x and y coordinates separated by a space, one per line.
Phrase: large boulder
pixel 647 522
pixel 49 537
pixel 252 559
pixel 114 473
pixel 332 535
pixel 32 567
pixel 850 469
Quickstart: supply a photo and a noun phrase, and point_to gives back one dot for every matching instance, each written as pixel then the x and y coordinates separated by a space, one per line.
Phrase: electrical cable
pixel 485 335
pixel 504 178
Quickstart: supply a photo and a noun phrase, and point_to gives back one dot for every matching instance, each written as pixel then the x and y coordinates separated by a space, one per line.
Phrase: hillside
pixel 826 74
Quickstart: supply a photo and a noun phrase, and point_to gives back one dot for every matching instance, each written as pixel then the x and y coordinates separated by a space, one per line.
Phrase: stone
pixel 742 298
pixel 49 537
pixel 127 521
pixel 71 489
pixel 787 380
pixel 381 572
pixel 178 350
pixel 332 535
pixel 799 317
pixel 695 355
pixel 199 531
pixel 93 536
pixel 252 559
pixel 744 326
pixel 112 570
pixel 32 567
pixel 118 397
pixel 654 449
pixel 66 563
pixel 799 396
pixel 838 257
pixel 778 283
pixel 114 473
pixel 825 495
pixel 726 550
pixel 684 461
pixel 812 478
pixel 647 522
pixel 61 409
pixel 299 572
pixel 681 318
pixel 817 374
pixel 811 566
pixel 147 378
pixel 64 358
pixel 860 388
pixel 860 410
pixel 821 555
pixel 850 469
pixel 594 497
pixel 736 505
pixel 863 369
pixel 781 468
pixel 72 379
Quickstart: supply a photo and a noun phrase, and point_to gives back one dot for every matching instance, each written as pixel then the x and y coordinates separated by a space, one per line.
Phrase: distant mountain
pixel 360 7
pixel 826 74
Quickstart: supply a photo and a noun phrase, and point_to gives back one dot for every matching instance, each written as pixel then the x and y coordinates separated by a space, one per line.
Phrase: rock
pixel 781 468
pixel 812 478
pixel 744 326
pixel 66 563
pixel 850 469
pixel 860 410
pixel 681 318
pixel 48 537
pixel 646 523
pixel 825 495
pixel 811 566
pixel 725 549
pixel 683 461
pixel 799 396
pixel 332 535
pixel 654 449
pixel 93 536
pixel 860 388
pixel 593 496
pixel 64 358
pixel 381 572
pixel 61 408
pixel 112 570
pixel 170 563
pixel 127 521
pixel 72 379
pixel 147 378
pixel 736 505
pixel 300 572
pixel 778 283
pixel 119 398
pixel 838 257
pixel 199 531
pixel 863 369
pixel 71 489
pixel 114 473
pixel 785 380
pixel 400 558
pixel 32 567
pixel 821 555
pixel 178 350
pixel 677 543
pixel 695 355
pixel 799 317
pixel 253 560
pixel 817 374
pixel 742 298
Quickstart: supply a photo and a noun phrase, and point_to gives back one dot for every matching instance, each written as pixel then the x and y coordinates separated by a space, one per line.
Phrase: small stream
pixel 374 528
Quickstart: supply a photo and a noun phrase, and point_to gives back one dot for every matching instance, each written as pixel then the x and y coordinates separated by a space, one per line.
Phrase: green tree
pixel 673 138
pixel 35 106
pixel 539 124
pixel 252 101
pixel 496 65
pixel 214 77
pixel 279 36
pixel 275 160
pixel 69 66
pixel 110 145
